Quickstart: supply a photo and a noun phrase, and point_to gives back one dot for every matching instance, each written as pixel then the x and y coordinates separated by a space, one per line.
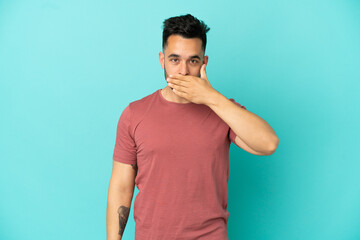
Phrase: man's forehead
pixel 183 47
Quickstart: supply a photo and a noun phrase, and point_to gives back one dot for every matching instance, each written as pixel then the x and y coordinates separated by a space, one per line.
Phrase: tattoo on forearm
pixel 123 217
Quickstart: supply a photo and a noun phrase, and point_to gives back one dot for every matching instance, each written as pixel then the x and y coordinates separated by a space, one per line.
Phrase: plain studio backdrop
pixel 69 68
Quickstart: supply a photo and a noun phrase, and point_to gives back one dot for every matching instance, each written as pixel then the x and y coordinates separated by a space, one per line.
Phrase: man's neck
pixel 170 96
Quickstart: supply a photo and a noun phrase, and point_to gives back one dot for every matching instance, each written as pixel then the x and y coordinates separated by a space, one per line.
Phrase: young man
pixel 178 139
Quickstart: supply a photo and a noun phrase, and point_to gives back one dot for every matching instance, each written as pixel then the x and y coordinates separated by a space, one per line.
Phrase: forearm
pixel 117 212
pixel 252 129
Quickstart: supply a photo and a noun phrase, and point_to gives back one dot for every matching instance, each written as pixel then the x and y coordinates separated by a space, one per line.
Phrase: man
pixel 174 145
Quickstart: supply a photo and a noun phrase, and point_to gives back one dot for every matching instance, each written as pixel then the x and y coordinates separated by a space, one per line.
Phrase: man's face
pixel 182 56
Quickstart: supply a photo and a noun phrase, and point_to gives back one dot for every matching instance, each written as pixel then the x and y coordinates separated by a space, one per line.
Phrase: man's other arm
pixel 121 190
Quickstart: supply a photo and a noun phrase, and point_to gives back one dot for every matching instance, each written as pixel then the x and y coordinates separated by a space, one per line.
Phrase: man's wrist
pixel 214 98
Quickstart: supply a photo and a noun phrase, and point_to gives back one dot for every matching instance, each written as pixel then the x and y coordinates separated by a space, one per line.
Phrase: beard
pixel 166 76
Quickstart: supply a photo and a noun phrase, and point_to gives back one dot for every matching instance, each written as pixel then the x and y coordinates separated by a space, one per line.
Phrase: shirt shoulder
pixel 140 107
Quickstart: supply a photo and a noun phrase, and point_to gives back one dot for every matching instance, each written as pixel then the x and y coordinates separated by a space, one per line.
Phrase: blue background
pixel 69 68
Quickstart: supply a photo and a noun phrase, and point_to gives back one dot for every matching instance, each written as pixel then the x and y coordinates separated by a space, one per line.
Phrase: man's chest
pixel 180 135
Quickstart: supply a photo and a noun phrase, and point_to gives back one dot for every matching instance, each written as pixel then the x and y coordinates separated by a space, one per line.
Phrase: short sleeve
pixel 232 134
pixel 125 147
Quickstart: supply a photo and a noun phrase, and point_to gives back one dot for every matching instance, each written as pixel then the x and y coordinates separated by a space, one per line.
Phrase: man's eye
pixel 193 61
pixel 174 60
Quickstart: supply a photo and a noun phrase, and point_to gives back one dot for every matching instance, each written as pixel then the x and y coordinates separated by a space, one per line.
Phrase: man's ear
pixel 161 59
pixel 205 60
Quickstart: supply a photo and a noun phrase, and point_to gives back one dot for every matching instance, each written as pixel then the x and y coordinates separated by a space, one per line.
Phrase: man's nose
pixel 184 70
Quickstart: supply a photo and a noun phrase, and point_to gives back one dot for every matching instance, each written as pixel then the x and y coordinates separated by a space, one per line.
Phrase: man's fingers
pixel 202 71
pixel 179 76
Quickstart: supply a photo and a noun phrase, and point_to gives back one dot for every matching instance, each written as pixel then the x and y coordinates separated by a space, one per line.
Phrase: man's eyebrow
pixel 176 55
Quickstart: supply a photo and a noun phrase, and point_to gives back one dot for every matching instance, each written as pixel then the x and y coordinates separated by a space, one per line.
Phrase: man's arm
pixel 121 190
pixel 254 131
pixel 240 143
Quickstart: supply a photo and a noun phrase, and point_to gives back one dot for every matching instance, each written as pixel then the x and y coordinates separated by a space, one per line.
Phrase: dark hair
pixel 186 26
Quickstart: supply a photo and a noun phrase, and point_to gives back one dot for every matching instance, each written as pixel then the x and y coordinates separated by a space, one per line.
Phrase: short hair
pixel 186 26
